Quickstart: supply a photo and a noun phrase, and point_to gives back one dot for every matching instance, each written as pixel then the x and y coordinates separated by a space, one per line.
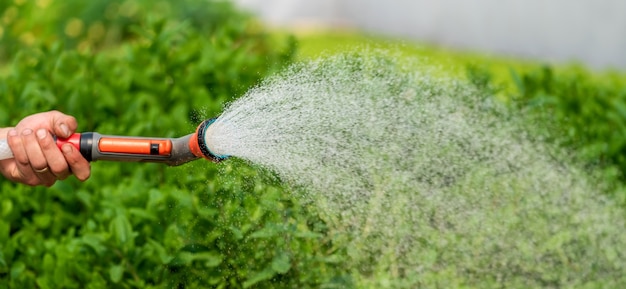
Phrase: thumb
pixel 63 125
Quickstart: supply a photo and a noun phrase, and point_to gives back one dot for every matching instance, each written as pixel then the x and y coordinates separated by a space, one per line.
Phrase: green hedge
pixel 582 111
pixel 147 225
pixel 100 24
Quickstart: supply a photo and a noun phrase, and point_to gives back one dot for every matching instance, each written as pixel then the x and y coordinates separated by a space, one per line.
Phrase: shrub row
pixel 582 111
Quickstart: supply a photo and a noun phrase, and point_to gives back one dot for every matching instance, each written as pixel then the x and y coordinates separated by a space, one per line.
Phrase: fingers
pixel 62 125
pixel 24 168
pixel 55 160
pixel 78 164
pixel 38 160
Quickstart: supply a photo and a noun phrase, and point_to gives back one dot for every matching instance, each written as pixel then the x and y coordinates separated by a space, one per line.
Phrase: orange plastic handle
pixel 135 146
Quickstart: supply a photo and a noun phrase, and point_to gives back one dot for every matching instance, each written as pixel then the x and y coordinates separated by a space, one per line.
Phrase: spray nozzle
pixel 198 143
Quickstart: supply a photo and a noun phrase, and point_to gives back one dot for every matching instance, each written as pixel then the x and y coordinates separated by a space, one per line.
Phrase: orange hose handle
pixel 122 145
pixel 135 146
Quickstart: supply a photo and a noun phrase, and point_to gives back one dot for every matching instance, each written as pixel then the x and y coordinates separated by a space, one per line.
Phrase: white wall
pixel 590 31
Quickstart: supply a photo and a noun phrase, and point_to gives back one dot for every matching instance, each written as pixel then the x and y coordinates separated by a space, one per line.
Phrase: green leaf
pixel 181 259
pixel 264 233
pixel 5 230
pixel 163 255
pixel 115 273
pixel 121 230
pixel 42 221
pixel 237 233
pixel 7 207
pixel 281 263
pixel 95 242
pixel 17 269
pixel 620 107
pixel 195 248
pixel 266 274
pixel 308 235
pixel 143 214
pixel 48 263
pixel 517 81
pixel 3 263
pixel 209 259
pixel 184 258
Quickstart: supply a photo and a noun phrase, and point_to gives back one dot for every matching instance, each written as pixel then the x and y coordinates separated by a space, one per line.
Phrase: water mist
pixel 430 178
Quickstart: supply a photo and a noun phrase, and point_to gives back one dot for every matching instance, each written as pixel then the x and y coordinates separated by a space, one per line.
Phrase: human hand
pixel 37 159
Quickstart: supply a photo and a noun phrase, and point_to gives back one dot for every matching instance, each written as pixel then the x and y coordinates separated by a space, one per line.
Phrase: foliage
pixel 591 114
pixel 573 108
pixel 105 23
pixel 146 225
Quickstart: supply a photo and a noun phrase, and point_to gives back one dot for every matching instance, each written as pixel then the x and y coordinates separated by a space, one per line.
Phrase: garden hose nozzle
pixel 171 151
pixel 199 146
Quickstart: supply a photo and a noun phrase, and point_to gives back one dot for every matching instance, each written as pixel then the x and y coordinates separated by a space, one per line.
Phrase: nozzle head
pixel 198 145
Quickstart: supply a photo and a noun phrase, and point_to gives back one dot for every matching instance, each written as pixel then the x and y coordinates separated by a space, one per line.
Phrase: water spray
pixel 171 151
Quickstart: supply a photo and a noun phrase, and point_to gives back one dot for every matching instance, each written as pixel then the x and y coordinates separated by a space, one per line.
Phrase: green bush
pixel 147 225
pixel 581 111
pixel 99 24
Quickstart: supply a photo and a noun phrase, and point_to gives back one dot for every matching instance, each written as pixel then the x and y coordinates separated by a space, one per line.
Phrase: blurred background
pixel 585 31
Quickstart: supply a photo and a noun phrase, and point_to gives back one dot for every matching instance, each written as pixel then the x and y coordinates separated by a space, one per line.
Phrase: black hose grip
pixel 86 145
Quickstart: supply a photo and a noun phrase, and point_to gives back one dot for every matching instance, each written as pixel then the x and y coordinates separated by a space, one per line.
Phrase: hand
pixel 37 159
